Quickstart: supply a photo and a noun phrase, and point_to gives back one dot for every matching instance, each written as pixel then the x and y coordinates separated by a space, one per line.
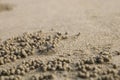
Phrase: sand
pixel 84 43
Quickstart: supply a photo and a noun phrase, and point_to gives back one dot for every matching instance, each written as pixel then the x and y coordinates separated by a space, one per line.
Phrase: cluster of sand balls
pixel 27 45
pixel 52 65
pixel 97 68
pixel 57 65
pixel 94 68
pixel 11 78
pixel 26 67
pixel 21 69
pixel 101 58
pixel 43 77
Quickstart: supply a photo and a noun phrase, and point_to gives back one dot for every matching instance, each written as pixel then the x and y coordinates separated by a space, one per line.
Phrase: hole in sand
pixel 5 7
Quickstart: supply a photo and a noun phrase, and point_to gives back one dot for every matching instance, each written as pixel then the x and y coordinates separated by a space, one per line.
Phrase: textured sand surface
pixel 97 21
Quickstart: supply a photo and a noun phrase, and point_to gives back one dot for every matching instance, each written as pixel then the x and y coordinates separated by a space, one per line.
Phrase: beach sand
pixel 84 39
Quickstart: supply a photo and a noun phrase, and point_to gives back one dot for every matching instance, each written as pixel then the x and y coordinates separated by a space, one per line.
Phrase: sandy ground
pixel 98 21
